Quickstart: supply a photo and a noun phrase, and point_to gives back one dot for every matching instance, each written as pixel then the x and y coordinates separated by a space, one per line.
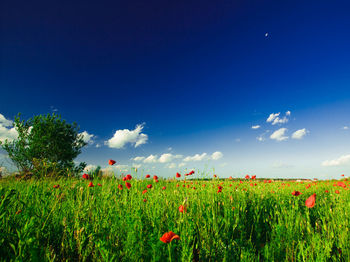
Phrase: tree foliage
pixel 45 141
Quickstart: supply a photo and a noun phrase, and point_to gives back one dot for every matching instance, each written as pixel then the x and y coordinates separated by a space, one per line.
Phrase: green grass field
pixel 248 221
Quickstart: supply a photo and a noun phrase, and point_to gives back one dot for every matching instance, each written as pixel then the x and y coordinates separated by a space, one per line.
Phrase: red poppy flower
pixel 148 176
pixel 337 191
pixel 111 162
pixel 326 191
pixel 168 237
pixel 296 193
pixel 120 187
pixel 144 191
pixel 145 200
pixel 186 174
pixel 230 178
pixel 85 176
pixel 91 184
pixel 149 186
pixel 99 184
pixel 270 181
pixel 254 177
pixel 342 175
pixel 182 209
pixel 178 175
pixel 155 177
pixel 124 179
pixel 177 185
pixel 156 181
pixel 194 187
pixel 56 186
pixel 128 185
pixel 247 177
pixel 310 202
pixel 341 184
pixel 191 172
pixel 163 187
pixel 128 177
pixel 215 176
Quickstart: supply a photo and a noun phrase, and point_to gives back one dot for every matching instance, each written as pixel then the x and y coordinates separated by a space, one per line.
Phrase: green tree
pixel 47 140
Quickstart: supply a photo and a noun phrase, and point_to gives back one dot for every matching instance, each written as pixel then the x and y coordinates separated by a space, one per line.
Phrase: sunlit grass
pixel 249 220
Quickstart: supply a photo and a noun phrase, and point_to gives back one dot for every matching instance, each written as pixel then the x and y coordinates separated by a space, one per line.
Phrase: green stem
pixel 169 249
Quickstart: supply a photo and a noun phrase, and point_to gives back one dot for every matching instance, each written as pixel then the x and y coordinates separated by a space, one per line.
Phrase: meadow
pixel 77 219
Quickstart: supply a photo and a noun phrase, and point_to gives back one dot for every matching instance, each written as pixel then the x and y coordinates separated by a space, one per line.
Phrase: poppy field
pixel 146 218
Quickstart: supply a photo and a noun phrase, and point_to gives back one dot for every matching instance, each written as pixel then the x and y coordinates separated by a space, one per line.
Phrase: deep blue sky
pixel 198 74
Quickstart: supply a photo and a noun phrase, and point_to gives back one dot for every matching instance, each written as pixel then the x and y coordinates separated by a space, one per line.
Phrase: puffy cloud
pixel 256 127
pixel 299 134
pixel 196 157
pixel 165 158
pixel 124 136
pixel 89 168
pixel 182 164
pixel 88 138
pixel 260 138
pixel 272 117
pixel 217 155
pixel 275 119
pixel 345 159
pixel 5 122
pixel 151 159
pixel 279 135
pixel 345 127
pixel 136 165
pixel 138 158
pixel 116 168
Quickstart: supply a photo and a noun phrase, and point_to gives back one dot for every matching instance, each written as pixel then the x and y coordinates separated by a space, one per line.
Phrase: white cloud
pixel 337 162
pixel 275 119
pixel 260 138
pixel 299 134
pixel 7 133
pixel 98 145
pixel 151 159
pixel 217 155
pixel 272 117
pixel 4 121
pixel 182 164
pixel 165 158
pixel 237 140
pixel 116 168
pixel 89 168
pixel 138 158
pixel 171 165
pixel 88 138
pixel 256 127
pixel 196 157
pixel 124 136
pixel 279 134
pixel 345 127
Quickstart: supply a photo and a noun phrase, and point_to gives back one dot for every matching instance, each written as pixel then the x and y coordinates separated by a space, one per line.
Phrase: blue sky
pixel 194 76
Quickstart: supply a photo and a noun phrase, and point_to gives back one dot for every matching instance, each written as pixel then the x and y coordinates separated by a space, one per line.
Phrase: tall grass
pixel 247 222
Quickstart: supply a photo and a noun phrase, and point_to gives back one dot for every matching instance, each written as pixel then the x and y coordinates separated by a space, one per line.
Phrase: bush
pixel 46 144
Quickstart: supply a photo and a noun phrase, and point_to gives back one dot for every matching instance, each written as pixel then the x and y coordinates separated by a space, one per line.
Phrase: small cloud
pixel 345 159
pixel 182 164
pixel 98 145
pixel 345 127
pixel 261 138
pixel 216 155
pixel 5 122
pixel 90 168
pixel 237 140
pixel 138 158
pixel 6 131
pixel 272 117
pixel 256 127
pixel 124 136
pixel 279 135
pixel 288 113
pixel 136 165
pixel 151 159
pixel 275 119
pixel 299 134
pixel 88 138
pixel 165 158
pixel 196 157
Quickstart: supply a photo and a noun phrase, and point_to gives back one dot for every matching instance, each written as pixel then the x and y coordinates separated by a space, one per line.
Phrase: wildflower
pixel 91 184
pixel 182 209
pixel 99 184
pixel 128 177
pixel 337 191
pixel 310 202
pixel 85 176
pixel 326 191
pixel 341 184
pixel 178 175
pixel 144 191
pixel 163 187
pixel 247 177
pixel 230 178
pixel 168 237
pixel 254 177
pixel 148 176
pixel 156 181
pixel 215 176
pixel 18 212
pixel 111 162
pixel 342 175
pixel 128 185
pixel 155 177
pixel 56 186
pixel 191 172
pixel 149 186
pixel 296 193
pixel 220 189
pixel 120 187
pixel 145 200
